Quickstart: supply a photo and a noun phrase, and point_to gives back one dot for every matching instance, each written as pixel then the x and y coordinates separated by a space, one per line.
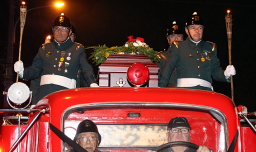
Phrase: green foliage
pixel 102 52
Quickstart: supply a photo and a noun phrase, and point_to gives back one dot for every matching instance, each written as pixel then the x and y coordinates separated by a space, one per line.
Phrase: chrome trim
pixel 20 110
pixel 15 117
pixel 216 113
pixel 251 120
pixel 37 135
pixel 30 99
pixel 19 146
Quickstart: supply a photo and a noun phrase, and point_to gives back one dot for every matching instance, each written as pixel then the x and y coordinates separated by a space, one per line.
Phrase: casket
pixel 116 66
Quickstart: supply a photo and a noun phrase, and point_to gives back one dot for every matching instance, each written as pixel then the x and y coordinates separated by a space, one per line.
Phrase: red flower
pixel 130 39
pixel 140 39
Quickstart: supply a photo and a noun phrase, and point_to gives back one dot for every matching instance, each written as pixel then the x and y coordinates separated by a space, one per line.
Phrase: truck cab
pixel 132 119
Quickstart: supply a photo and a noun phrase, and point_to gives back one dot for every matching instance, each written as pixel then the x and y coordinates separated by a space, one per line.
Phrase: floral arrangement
pixel 132 46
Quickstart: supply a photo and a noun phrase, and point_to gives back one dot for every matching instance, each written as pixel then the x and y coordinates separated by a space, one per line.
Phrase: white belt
pixel 58 80
pixel 192 82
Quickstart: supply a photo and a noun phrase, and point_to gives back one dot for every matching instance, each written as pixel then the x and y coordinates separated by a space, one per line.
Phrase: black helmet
pixel 174 29
pixel 87 126
pixel 73 29
pixel 62 21
pixel 194 19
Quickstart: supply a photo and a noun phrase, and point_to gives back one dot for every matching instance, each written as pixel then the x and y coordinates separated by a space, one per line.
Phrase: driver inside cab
pixel 178 129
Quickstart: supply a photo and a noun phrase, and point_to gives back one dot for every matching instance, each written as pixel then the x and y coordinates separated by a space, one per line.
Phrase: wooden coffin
pixel 116 66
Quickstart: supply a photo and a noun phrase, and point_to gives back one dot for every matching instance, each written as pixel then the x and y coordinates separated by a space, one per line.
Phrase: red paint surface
pixel 204 127
pixel 248 139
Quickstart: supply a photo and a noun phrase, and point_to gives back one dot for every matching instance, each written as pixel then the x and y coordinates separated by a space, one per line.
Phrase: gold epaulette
pixel 162 56
pixel 78 45
pixel 176 43
pixel 43 47
pixel 213 45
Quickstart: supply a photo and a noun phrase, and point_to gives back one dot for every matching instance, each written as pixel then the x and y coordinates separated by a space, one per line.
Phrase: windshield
pixel 144 128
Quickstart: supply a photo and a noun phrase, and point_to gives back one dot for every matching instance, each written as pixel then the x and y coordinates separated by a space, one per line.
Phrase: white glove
pixel 18 67
pixel 230 70
pixel 94 85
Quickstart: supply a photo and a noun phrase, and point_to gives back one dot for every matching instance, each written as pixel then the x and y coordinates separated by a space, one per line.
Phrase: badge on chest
pixel 69 58
pixel 205 55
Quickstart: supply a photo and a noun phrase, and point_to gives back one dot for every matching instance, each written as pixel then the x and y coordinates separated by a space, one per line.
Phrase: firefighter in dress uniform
pixel 174 33
pixel 35 83
pixel 195 59
pixel 57 63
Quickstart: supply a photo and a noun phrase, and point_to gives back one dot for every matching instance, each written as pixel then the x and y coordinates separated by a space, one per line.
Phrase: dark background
pixel 110 22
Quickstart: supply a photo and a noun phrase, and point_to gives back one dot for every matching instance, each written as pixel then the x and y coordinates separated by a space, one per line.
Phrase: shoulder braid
pixel 161 54
pixel 176 43
pixel 213 45
pixel 43 47
pixel 78 45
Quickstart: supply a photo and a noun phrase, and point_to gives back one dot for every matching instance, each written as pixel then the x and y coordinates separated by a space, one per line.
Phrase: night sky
pixel 110 22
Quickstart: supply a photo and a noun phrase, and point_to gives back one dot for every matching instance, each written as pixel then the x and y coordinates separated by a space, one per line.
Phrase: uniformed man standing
pixel 35 83
pixel 174 33
pixel 58 62
pixel 195 59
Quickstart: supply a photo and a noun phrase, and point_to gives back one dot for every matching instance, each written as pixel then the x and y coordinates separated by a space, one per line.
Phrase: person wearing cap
pixel 57 63
pixel 35 83
pixel 178 129
pixel 196 60
pixel 174 33
pixel 87 136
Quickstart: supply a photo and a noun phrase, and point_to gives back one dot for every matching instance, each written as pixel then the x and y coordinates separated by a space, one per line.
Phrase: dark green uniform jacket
pixel 80 81
pixel 164 56
pixel 193 61
pixel 47 62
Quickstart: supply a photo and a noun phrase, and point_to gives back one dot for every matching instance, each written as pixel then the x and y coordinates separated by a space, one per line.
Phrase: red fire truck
pixel 131 119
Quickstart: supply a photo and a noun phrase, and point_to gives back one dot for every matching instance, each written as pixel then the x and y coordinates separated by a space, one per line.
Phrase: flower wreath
pixel 132 46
